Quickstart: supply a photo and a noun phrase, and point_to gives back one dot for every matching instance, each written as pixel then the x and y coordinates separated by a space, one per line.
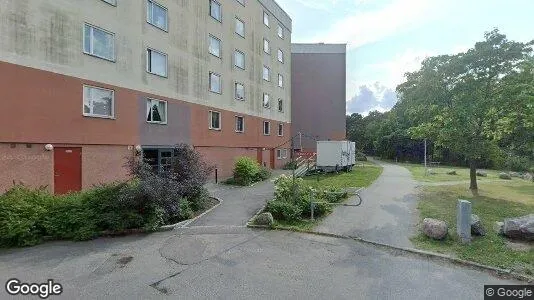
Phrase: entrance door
pixel 67 169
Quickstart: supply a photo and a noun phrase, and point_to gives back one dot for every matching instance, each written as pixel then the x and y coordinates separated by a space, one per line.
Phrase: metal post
pixel 312 207
pixel 425 154
pixel 216 177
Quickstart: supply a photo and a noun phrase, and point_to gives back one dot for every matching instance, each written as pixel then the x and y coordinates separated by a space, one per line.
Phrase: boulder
pixel 435 229
pixel 498 227
pixel 431 172
pixel 515 174
pixel 505 176
pixel 264 219
pixel 453 172
pixel 520 228
pixel 482 173
pixel 527 176
pixel 476 226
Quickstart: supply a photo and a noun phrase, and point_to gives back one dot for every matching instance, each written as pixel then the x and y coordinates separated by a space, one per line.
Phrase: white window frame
pixel 280 107
pixel 235 91
pixel 280 126
pixel 220 83
pixel 148 17
pixel 220 10
pixel 281 153
pixel 280 31
pixel 152 100
pixel 91 52
pixel 268 127
pixel 268 100
pixel 148 65
pixel 280 56
pixel 220 46
pixel 243 123
pixel 111 2
pixel 95 115
pixel 244 27
pixel 266 46
pixel 210 119
pixel 268 73
pixel 266 19
pixel 236 51
pixel 280 80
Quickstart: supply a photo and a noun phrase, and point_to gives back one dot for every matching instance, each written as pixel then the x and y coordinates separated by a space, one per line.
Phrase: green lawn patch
pixel 419 173
pixel 361 176
pixel 496 201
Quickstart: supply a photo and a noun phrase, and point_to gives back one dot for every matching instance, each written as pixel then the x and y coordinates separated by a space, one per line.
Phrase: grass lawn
pixel 419 174
pixel 496 201
pixel 361 176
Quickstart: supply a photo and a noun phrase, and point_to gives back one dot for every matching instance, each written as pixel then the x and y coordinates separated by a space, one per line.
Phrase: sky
pixel 387 38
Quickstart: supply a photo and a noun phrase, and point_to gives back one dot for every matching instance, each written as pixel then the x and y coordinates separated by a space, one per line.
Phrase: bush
pixel 282 210
pixel 517 163
pixel 292 165
pixel 21 216
pixel 263 174
pixel 245 170
pixel 360 156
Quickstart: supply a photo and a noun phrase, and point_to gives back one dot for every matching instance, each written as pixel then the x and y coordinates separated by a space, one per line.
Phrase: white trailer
pixel 335 155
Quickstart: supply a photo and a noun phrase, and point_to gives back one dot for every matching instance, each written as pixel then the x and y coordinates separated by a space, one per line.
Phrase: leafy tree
pixel 462 101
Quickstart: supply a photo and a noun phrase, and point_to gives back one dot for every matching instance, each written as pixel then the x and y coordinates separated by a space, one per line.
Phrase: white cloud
pixel 371 26
pixel 395 68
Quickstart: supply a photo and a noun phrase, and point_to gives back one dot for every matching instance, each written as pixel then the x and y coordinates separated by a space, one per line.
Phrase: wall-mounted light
pixel 49 147
pixel 138 149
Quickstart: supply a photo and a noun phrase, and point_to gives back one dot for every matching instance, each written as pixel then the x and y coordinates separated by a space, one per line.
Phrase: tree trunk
pixel 473 176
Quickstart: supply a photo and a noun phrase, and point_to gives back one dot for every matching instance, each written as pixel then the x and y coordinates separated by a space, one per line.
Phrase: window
pixel 112 2
pixel 215 120
pixel 215 46
pixel 239 27
pixel 239 59
pixel 156 62
pixel 280 105
pixel 215 83
pixel 280 80
pixel 280 129
pixel 266 74
pixel 98 102
pixel 266 128
pixel 159 159
pixel 242 2
pixel 215 10
pixel 156 15
pixel 266 19
pixel 280 31
pixel 98 42
pixel 266 100
pixel 266 46
pixel 280 56
pixel 239 91
pixel 281 153
pixel 156 111
pixel 239 124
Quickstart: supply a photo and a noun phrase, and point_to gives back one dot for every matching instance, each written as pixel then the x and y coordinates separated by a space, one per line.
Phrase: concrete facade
pixel 43 69
pixel 318 95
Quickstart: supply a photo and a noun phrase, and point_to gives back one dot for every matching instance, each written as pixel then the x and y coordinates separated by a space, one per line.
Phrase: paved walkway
pixel 388 213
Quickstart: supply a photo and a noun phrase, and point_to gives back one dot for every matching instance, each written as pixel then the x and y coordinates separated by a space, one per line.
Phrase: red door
pixel 67 170
pixel 272 159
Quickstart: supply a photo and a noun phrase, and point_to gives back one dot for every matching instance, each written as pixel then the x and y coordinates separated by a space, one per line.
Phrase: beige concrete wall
pixel 48 35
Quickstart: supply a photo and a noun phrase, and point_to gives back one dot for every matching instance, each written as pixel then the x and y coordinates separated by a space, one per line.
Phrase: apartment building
pixel 318 94
pixel 85 84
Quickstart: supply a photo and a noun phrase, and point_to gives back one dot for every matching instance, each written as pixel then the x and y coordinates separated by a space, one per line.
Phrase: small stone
pixel 264 219
pixel 482 173
pixel 498 227
pixel 505 176
pixel 453 172
pixel 476 226
pixel 435 229
pixel 431 172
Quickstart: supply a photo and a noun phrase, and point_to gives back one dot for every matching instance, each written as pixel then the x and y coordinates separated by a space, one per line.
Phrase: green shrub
pixel 517 163
pixel 263 174
pixel 21 216
pixel 282 210
pixel 360 156
pixel 245 170
pixel 292 165
pixel 186 212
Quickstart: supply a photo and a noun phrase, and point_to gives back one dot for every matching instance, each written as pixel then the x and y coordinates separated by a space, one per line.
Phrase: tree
pixel 457 100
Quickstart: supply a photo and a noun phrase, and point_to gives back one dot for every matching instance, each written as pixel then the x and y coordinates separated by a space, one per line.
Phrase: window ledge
pixel 215 129
pixel 162 29
pixel 156 123
pixel 99 117
pixel 101 57
pixel 162 76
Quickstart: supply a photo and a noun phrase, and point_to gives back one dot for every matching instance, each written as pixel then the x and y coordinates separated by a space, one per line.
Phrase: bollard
pixel 463 220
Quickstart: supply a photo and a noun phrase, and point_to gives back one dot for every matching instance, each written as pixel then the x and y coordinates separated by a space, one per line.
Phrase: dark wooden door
pixel 67 169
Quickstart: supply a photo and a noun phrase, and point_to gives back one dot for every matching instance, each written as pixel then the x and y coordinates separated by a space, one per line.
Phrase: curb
pixel 185 223
pixel 249 222
pixel 503 273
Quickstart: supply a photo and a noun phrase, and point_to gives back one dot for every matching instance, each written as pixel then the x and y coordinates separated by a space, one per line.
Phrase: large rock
pixel 515 174
pixel 498 227
pixel 527 176
pixel 482 173
pixel 435 229
pixel 505 176
pixel 453 172
pixel 520 228
pixel 264 219
pixel 476 226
